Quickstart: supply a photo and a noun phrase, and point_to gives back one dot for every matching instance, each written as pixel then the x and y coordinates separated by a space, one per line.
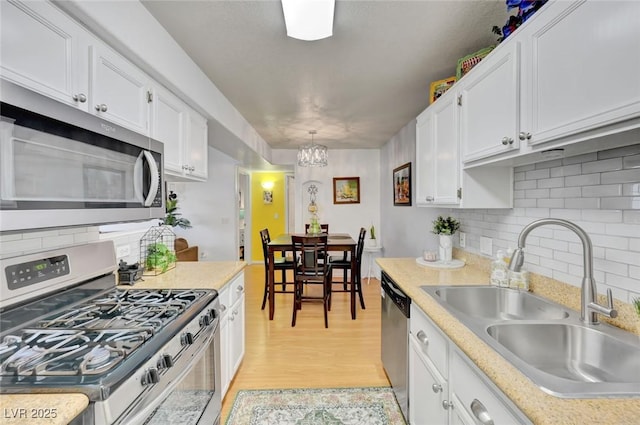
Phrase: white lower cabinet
pixel 445 387
pixel 231 330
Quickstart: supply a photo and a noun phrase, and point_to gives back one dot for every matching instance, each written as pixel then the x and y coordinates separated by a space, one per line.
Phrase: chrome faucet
pixel 589 307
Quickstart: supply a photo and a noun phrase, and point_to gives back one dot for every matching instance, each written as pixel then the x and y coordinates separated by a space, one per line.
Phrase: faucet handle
pixel 613 312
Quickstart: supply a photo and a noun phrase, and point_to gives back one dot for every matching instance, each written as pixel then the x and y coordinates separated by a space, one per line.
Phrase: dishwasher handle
pixel 393 291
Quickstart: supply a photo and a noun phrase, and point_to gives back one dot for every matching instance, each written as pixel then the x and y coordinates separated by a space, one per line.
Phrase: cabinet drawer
pixel 478 396
pixel 431 340
pixel 236 288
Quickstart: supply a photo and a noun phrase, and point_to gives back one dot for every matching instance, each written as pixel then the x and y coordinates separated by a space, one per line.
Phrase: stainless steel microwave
pixel 60 166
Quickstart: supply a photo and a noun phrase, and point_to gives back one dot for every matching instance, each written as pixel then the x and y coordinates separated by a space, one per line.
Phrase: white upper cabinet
pixel 43 49
pixel 580 68
pixel 489 102
pixel 184 134
pixel 120 92
pixel 197 146
pixel 168 126
pixel 437 153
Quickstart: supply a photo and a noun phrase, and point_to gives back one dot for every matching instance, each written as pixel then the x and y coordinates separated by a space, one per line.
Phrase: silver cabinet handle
pixel 101 108
pixel 524 136
pixel 223 308
pixel 429 199
pixel 507 141
pixel 422 337
pixel 446 404
pixel 80 98
pixel 239 289
pixel 192 168
pixel 437 388
pixel 480 412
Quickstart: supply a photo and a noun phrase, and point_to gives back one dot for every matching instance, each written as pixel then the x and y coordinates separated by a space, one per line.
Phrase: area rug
pixel 325 406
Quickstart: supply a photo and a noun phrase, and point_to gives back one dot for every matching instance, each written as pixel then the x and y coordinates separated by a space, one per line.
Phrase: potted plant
pixel 172 218
pixel 372 242
pixel 160 258
pixel 445 228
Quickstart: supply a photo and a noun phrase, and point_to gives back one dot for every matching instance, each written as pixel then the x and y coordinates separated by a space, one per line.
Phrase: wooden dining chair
pixel 281 264
pixel 309 269
pixel 344 263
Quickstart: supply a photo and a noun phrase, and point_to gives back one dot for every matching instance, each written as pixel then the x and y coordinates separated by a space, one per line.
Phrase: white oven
pixel 60 166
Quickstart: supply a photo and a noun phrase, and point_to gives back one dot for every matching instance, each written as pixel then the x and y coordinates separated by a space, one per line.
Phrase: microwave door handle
pixel 155 178
pixel 137 178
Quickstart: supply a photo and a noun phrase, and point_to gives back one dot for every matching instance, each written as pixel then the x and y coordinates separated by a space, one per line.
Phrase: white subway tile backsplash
pixel 634 244
pixel 551 182
pixel 579 159
pixel 566 214
pixel 566 170
pixel 537 174
pixel 612 164
pixel 623 151
pixel 619 269
pixel 525 203
pixel 631 189
pixel 57 241
pixel 632 161
pixel 631 217
pixel 566 192
pixel 602 190
pixel 620 203
pixel 606 241
pixel 19 246
pixel 634 272
pixel 568 258
pixel 536 193
pixel 582 203
pixel 622 282
pixel 583 180
pixel 548 164
pixel 554 244
pixel 628 230
pixel 625 176
pixel 550 203
pixel 554 264
pixel 525 184
pixel 622 256
pixel 602 216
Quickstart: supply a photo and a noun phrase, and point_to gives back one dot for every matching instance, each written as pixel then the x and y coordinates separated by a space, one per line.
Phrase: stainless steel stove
pixel 65 327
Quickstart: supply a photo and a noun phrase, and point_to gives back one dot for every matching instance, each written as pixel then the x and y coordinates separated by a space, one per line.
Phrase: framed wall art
pixel 346 190
pixel 402 185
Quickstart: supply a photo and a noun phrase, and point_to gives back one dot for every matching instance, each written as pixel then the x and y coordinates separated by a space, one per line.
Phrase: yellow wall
pixel 264 215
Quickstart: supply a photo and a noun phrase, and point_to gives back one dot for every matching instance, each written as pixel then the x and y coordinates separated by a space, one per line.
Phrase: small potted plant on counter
pixel 445 228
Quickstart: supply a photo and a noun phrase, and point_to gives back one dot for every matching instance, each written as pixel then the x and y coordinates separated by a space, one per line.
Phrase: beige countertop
pixel 41 409
pixel 541 408
pixel 60 409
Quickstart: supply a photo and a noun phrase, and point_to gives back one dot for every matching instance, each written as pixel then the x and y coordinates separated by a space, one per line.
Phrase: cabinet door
pixel 446 164
pixel 427 389
pixel 119 91
pixel 459 415
pixel 168 126
pixel 236 321
pixel 197 145
pixel 425 157
pixel 489 105
pixel 43 49
pixel 437 159
pixel 225 375
pixel 581 68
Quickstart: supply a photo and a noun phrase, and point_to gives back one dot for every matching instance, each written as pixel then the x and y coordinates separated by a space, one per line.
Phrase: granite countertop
pixel 63 408
pixel 540 407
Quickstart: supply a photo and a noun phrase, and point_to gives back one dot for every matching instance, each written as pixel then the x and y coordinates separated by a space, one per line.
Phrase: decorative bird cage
pixel 157 251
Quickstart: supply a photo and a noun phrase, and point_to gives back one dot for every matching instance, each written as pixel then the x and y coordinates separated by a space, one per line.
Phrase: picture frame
pixel 346 190
pixel 402 185
pixel 439 87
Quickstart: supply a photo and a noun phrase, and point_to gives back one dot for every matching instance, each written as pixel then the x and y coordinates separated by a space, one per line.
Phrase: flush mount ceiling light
pixel 313 155
pixel 308 20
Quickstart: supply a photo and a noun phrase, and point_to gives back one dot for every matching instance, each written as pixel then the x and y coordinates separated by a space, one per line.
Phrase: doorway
pixel 243 215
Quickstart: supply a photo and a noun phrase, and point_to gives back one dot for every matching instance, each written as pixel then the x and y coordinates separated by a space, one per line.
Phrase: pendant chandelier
pixel 312 155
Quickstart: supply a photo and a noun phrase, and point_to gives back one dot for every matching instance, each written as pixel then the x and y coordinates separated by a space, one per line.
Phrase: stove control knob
pixel 186 338
pixel 165 361
pixel 150 376
pixel 205 320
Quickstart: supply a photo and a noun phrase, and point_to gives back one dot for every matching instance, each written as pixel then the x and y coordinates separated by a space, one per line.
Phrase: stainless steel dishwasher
pixel 395 340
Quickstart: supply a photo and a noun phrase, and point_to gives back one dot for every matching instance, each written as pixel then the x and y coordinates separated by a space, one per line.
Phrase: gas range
pixel 72 330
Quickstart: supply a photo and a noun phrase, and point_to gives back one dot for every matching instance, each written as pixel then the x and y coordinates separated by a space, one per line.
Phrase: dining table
pixel 342 242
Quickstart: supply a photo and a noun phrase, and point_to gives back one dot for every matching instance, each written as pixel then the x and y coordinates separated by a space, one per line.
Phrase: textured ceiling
pixel 357 88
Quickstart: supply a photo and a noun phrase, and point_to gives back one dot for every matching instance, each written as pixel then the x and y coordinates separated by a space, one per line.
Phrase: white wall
pixel 406 231
pixel 211 208
pixel 342 218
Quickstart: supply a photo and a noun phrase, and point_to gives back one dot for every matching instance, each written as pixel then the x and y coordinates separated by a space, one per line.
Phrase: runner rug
pixel 325 406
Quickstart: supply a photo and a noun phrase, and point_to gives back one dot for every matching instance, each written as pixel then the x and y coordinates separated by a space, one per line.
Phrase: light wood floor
pixel 308 355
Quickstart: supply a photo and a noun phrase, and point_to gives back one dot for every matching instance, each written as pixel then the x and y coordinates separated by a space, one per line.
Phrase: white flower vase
pixel 371 243
pixel 446 244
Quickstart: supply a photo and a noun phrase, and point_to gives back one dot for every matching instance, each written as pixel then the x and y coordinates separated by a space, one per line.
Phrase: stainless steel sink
pixel 547 342
pixel 491 302
pixel 574 359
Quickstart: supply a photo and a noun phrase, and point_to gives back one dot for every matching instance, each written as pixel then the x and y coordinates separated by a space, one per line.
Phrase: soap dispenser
pixel 499 271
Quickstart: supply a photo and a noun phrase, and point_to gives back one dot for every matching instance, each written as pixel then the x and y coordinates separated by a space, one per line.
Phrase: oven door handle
pixel 142 408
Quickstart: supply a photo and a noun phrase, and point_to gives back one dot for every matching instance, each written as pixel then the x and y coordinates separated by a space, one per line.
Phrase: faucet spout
pixel 589 307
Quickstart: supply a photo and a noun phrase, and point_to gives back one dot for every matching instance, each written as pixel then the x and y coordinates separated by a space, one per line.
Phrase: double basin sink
pixel 547 342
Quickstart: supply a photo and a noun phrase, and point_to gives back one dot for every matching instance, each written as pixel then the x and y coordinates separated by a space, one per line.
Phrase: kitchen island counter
pixel 540 407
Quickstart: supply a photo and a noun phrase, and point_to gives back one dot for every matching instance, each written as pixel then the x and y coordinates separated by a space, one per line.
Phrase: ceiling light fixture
pixel 308 20
pixel 313 155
